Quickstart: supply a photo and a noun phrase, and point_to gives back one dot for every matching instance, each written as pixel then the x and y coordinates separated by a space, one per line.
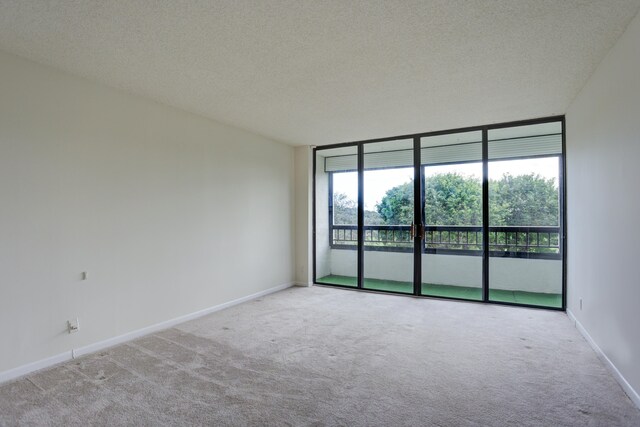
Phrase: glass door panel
pixel 437 221
pixel 452 214
pixel 388 216
pixel 525 228
pixel 336 198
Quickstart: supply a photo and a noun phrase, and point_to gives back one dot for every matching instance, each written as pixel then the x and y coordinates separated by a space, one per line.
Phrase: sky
pixel 377 182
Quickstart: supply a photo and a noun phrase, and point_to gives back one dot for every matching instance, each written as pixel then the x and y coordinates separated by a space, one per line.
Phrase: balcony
pixel 504 241
pixel 525 263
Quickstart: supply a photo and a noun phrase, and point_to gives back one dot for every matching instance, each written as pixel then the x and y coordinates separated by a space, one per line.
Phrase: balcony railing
pixel 504 241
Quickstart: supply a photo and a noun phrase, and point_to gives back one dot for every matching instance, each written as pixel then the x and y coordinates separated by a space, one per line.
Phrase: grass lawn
pixel 463 292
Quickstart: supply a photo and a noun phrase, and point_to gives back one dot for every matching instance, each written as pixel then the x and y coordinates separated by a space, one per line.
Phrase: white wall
pixel 323 252
pixel 603 172
pixel 303 188
pixel 168 212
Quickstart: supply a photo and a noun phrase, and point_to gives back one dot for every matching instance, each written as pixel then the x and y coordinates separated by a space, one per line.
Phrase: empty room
pixel 354 213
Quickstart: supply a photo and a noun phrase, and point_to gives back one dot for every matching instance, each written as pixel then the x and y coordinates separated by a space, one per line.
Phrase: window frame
pixel 563 235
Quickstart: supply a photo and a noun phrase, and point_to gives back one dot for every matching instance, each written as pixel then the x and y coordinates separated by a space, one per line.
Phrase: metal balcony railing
pixel 504 241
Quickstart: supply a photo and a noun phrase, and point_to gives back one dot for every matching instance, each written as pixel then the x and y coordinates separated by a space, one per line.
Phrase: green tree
pixel 523 200
pixel 453 199
pixel 396 207
pixel 345 211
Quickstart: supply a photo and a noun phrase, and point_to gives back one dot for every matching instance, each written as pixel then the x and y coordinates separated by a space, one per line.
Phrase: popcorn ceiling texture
pixel 310 72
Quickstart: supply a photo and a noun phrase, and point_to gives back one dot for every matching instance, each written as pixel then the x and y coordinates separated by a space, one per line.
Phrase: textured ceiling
pixel 320 72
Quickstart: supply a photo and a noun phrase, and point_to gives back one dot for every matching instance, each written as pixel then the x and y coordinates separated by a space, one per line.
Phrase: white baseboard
pixel 305 285
pixel 633 395
pixel 101 345
pixel 35 366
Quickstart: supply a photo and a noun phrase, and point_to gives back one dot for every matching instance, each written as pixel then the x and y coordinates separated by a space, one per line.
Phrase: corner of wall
pixel 303 170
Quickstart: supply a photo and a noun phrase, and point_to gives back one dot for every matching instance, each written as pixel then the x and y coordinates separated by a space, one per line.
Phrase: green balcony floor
pixel 449 291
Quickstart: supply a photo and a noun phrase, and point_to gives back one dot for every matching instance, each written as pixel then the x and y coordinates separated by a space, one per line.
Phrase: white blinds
pixel 525 147
pixel 451 154
pixel 404 158
pixel 539 145
pixel 341 163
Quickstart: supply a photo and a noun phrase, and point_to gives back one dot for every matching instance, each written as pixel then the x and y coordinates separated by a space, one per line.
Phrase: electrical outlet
pixel 73 325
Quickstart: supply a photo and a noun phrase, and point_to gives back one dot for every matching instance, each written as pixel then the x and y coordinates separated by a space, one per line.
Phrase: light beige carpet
pixel 321 356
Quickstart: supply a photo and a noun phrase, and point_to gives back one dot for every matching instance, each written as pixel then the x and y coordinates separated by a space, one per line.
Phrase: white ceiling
pixel 321 72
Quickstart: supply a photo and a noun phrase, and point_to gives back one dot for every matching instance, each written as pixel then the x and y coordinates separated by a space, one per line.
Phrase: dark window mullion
pixel 485 215
pixel 360 215
pixel 418 203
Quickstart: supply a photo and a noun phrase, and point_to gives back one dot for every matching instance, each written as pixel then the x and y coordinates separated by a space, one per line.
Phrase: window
pixel 474 214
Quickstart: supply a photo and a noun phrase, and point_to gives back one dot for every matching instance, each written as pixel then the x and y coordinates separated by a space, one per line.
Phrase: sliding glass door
pixel 475 214
pixel 452 253
pixel 525 215
pixel 336 216
pixel 389 224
